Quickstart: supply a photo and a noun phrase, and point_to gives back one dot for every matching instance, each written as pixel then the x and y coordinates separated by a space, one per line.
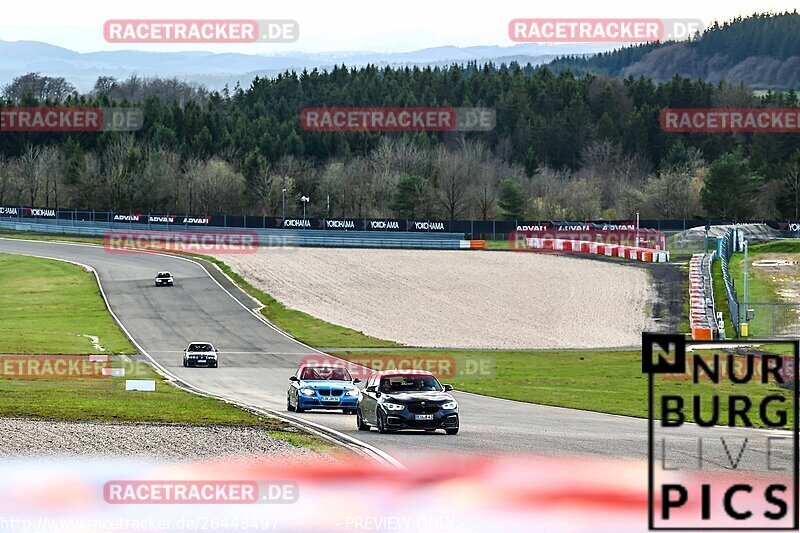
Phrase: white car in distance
pixel 201 354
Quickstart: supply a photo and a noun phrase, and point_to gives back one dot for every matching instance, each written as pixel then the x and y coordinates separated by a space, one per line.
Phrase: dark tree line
pixel 564 147
pixel 762 50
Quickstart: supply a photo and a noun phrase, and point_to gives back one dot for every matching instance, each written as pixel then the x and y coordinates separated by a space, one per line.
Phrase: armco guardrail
pixel 266 237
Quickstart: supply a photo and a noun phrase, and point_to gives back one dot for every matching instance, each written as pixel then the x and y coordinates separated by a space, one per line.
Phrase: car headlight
pixel 394 406
pixel 450 405
pixel 307 392
pixel 353 392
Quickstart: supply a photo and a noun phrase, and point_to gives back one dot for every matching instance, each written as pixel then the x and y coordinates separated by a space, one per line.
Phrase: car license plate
pixel 330 399
pixel 423 417
pixel 201 360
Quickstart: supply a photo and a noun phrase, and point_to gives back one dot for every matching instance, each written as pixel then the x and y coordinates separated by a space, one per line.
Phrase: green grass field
pixel 50 307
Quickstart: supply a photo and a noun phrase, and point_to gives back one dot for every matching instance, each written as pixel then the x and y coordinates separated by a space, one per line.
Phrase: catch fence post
pixel 773 319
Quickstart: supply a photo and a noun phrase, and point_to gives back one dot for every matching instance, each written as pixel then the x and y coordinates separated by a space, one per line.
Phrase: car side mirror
pixel 448 388
pixel 371 388
pixel 216 351
pixel 294 378
pixel 357 380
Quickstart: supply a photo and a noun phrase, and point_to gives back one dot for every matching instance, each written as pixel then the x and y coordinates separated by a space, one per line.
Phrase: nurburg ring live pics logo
pixel 722 434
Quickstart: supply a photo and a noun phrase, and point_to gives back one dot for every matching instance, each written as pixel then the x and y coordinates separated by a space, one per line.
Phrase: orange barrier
pixel 472 245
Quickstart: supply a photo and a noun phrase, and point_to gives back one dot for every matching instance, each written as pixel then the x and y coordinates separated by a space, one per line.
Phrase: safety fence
pixel 773 319
pixel 261 238
pixel 729 244
pixel 475 229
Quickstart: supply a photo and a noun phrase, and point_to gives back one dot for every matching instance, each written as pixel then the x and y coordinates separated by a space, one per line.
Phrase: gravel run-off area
pixel 24 437
pixel 459 299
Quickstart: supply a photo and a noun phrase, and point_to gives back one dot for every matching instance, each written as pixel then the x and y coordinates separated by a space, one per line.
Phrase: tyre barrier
pixel 702 314
pixel 647 255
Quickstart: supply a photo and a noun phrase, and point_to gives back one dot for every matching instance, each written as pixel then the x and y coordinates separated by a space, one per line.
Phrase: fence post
pixel 773 319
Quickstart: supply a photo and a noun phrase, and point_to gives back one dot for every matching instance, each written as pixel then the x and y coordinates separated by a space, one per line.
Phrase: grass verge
pixel 52 307
pixel 105 398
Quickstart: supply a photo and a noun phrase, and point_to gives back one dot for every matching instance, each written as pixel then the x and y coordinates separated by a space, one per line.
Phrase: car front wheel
pixel 452 431
pixel 360 421
pixel 289 404
pixel 382 423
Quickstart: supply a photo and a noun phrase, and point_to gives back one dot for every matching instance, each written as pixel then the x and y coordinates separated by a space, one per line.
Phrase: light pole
pixel 305 200
pixel 283 203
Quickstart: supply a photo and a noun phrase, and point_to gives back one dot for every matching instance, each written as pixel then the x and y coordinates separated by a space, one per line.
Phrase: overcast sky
pixel 328 26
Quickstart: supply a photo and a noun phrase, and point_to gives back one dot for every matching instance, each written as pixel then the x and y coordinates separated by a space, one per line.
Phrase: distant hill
pixel 762 51
pixel 215 70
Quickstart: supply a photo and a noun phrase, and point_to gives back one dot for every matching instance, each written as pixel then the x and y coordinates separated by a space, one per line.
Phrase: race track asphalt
pixel 257 360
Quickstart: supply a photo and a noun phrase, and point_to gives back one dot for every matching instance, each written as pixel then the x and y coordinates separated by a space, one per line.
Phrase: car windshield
pixel 201 348
pixel 325 373
pixel 164 275
pixel 409 383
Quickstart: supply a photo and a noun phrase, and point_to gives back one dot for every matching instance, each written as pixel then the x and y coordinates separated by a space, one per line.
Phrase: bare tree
pixel 485 192
pixel 29 172
pixel 11 184
pixel 792 181
pixel 220 189
pixel 40 87
pixel 50 166
pixel 454 176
